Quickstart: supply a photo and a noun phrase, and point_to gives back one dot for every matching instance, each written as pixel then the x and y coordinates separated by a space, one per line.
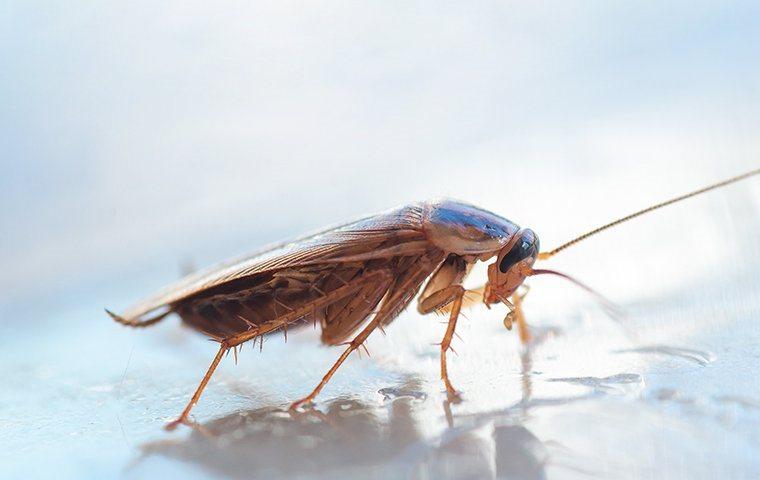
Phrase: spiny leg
pixel 391 305
pixel 198 391
pixel 355 343
pixel 456 306
pixel 448 298
pixel 284 320
pixel 226 345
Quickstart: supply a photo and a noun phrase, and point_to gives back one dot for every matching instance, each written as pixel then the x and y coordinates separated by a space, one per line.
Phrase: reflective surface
pixel 138 139
pixel 585 399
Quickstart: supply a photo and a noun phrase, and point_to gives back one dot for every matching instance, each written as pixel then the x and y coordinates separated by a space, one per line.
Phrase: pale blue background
pixel 136 138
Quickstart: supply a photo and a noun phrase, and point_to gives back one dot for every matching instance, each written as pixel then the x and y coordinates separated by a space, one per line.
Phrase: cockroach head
pixel 513 263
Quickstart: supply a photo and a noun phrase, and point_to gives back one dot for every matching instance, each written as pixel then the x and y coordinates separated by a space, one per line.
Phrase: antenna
pixel 549 254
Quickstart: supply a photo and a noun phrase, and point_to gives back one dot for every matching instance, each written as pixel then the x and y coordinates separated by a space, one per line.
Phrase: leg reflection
pixel 395 438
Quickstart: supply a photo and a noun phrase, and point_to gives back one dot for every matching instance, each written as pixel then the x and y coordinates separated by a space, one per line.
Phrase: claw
pixel 171 426
pixel 453 395
pixel 304 401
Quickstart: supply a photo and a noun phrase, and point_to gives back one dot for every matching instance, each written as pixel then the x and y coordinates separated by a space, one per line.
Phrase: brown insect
pixel 363 274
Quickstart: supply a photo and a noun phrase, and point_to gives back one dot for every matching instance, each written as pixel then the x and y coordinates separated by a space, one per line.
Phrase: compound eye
pixel 526 246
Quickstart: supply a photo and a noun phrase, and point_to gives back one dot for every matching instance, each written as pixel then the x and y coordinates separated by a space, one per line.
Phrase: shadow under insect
pixel 348 436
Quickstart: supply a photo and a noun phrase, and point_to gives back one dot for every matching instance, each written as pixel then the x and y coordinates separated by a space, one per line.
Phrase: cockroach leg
pixel 198 391
pixel 509 319
pixel 227 344
pixel 449 298
pixel 376 322
pixel 438 301
pixel 355 343
pixel 443 285
pixel 293 316
pixel 456 306
pixel 522 325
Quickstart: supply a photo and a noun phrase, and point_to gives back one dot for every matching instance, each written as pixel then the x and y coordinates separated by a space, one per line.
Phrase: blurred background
pixel 138 140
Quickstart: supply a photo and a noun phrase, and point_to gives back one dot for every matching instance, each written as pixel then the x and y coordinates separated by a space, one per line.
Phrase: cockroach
pixel 363 274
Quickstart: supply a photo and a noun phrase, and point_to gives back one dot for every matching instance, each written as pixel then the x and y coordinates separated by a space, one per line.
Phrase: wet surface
pixel 670 391
pixel 700 357
pixel 139 141
pixel 567 406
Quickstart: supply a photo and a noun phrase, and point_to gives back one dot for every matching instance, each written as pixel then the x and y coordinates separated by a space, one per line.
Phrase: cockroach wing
pixel 398 232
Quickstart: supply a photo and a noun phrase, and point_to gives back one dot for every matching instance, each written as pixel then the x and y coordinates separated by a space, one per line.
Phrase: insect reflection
pixel 386 441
